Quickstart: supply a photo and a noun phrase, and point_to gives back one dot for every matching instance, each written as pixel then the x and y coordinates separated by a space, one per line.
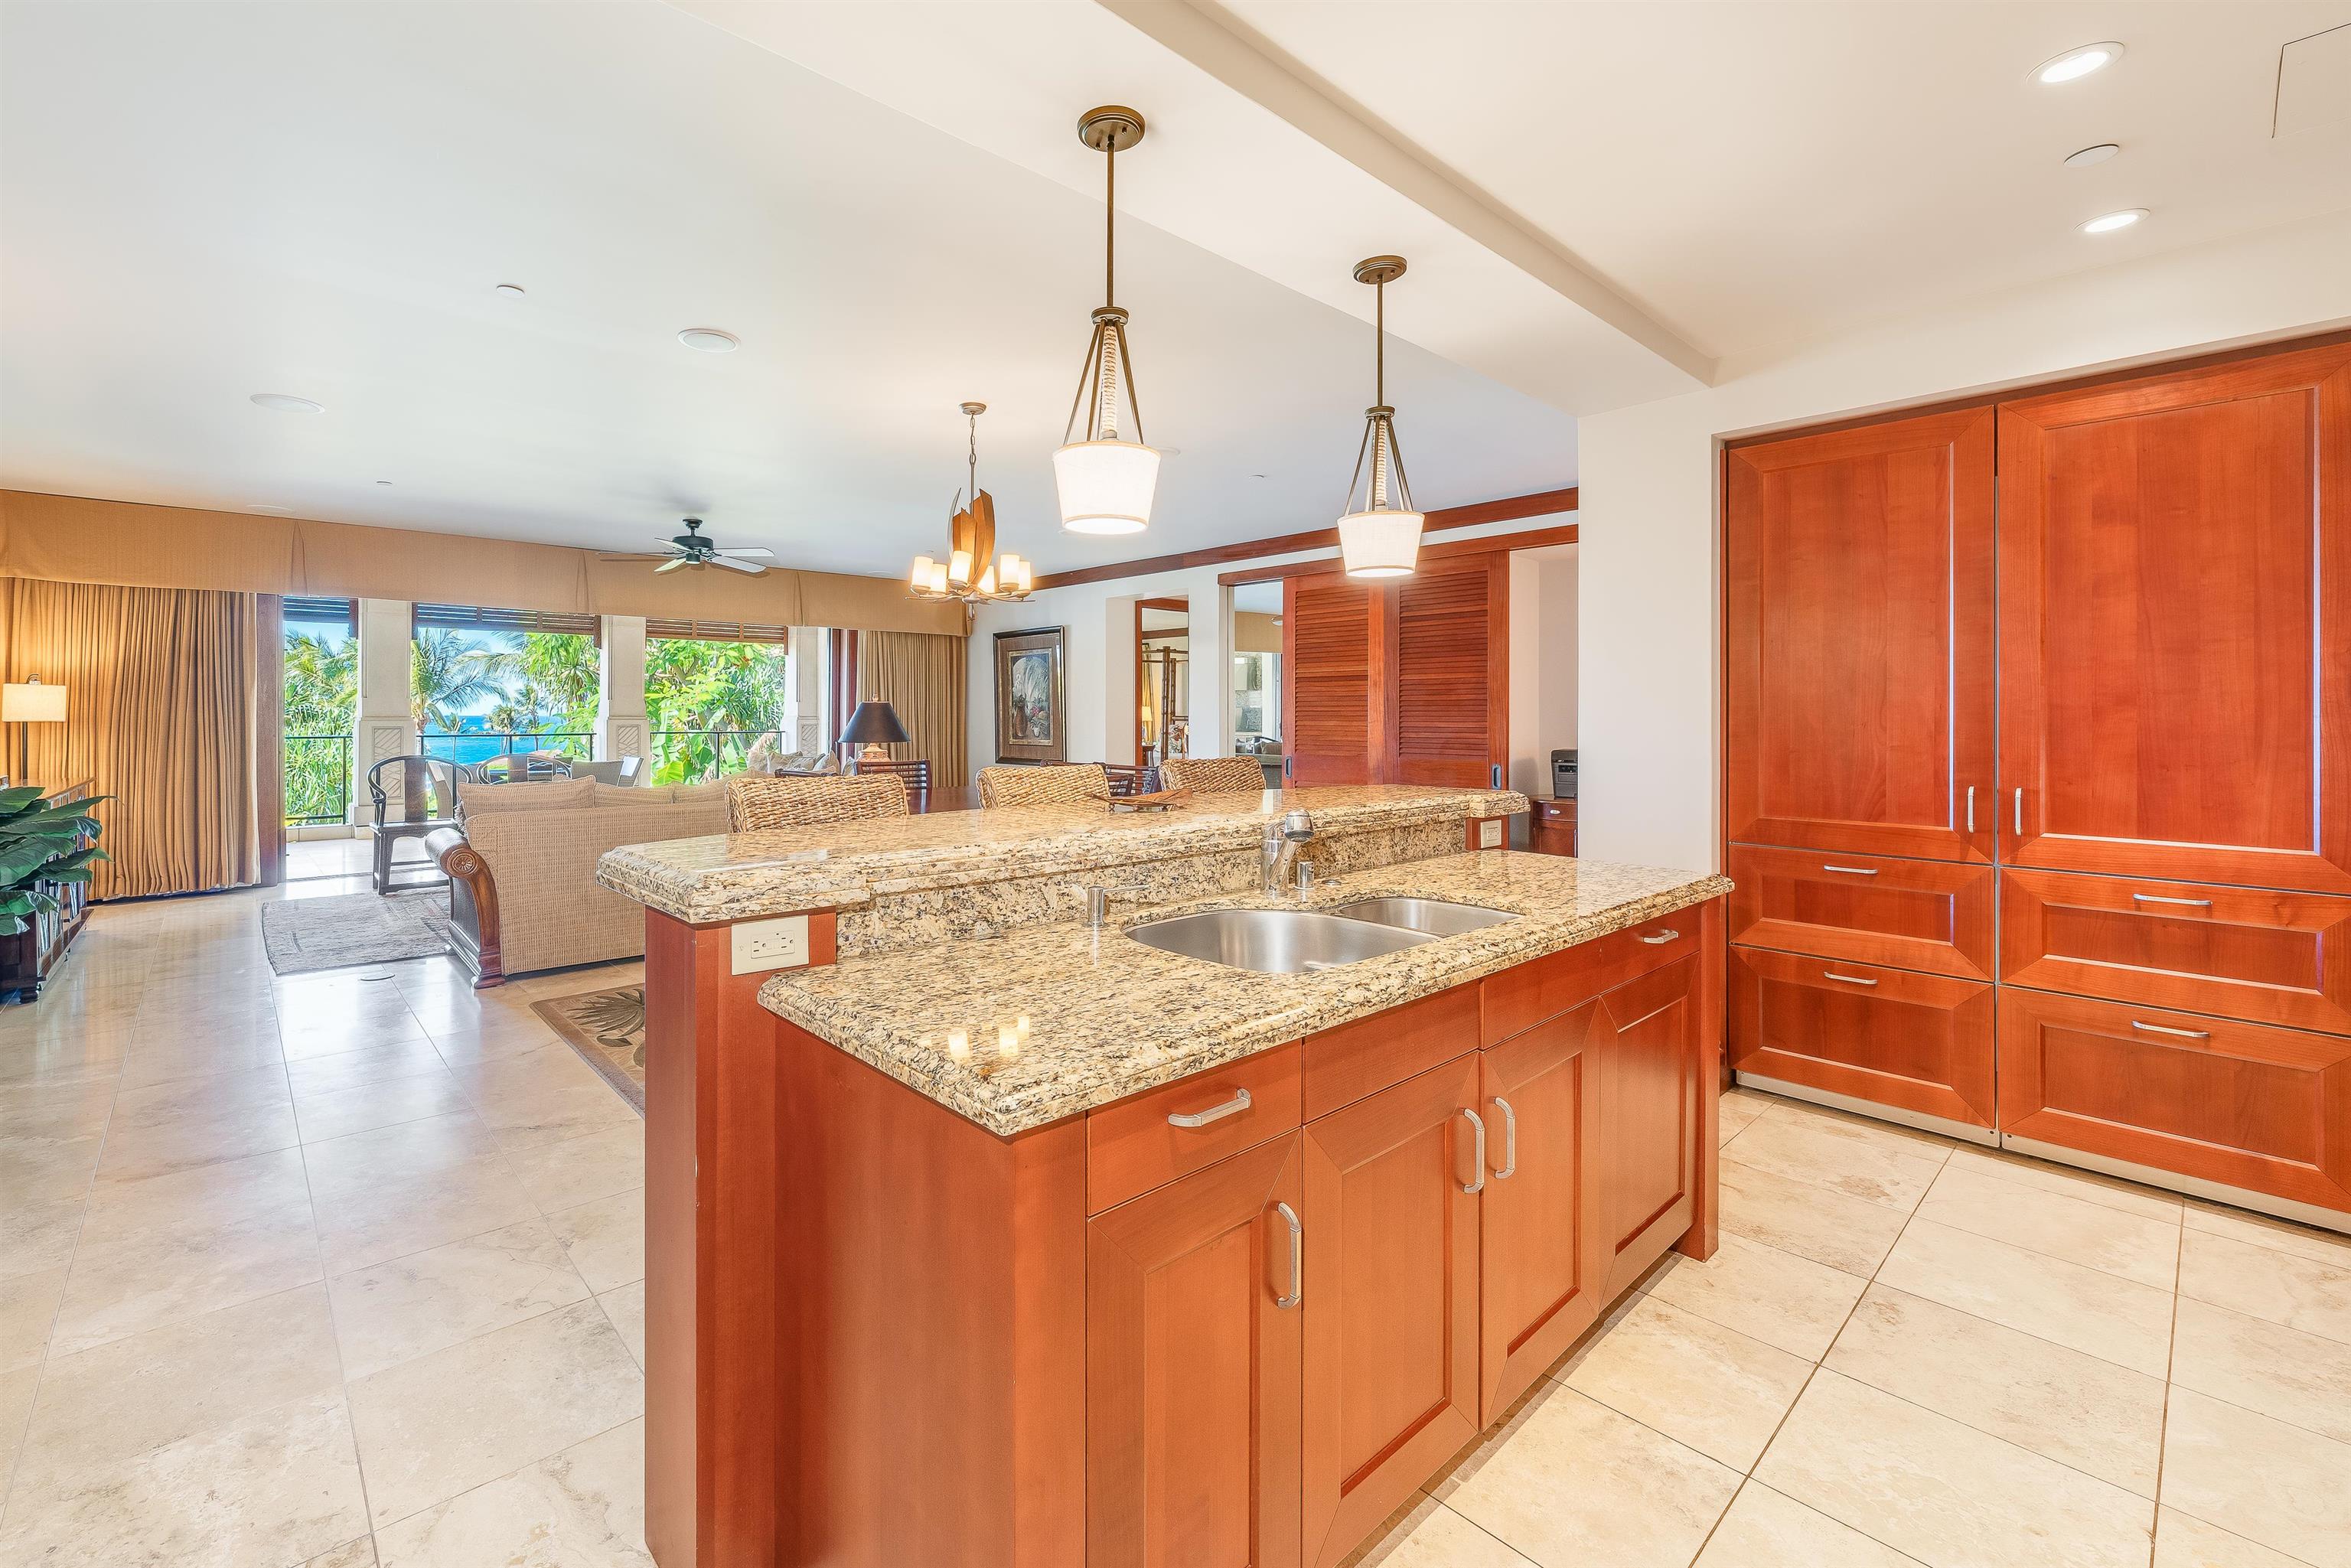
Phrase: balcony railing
pixel 318 778
pixel 472 747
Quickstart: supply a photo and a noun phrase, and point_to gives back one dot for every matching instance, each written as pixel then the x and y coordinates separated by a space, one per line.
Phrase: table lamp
pixel 30 702
pixel 873 726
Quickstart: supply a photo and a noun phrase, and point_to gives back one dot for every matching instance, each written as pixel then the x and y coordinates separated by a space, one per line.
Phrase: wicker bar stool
pixel 1063 784
pixel 1213 775
pixel 756 801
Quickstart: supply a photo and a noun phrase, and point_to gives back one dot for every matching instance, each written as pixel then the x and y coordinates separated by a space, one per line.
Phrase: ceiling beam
pixel 1542 503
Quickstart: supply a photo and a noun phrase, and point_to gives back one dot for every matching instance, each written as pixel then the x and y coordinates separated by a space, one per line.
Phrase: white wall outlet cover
pixel 778 943
pixel 1490 834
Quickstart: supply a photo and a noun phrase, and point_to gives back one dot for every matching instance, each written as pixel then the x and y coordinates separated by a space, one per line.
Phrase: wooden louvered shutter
pixel 1451 641
pixel 1330 628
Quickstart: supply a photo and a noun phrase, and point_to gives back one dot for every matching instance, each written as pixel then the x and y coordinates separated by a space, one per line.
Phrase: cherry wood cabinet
pixel 2175 666
pixel 1194 1340
pixel 1931 916
pixel 1391 1190
pixel 1541 1258
pixel 1921 1043
pixel 1335 636
pixel 1858 628
pixel 2249 953
pixel 2246 1105
pixel 1649 1081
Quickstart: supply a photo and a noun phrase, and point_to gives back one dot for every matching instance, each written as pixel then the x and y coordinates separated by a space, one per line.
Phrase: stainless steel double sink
pixel 1298 941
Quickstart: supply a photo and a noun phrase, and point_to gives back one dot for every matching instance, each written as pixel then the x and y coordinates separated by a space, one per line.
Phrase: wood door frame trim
pixel 1538 503
pixel 1488 544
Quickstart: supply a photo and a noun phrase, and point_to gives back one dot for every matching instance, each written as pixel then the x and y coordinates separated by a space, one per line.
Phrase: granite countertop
pixel 735 877
pixel 1020 1030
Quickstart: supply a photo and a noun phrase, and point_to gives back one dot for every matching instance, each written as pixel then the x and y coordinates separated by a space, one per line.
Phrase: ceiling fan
pixel 690 548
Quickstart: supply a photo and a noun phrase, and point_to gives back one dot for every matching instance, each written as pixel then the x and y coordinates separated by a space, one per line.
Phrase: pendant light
pixel 1382 537
pixel 971 544
pixel 1105 479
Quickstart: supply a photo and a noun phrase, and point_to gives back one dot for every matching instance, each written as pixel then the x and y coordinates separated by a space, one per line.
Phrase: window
pixel 483 682
pixel 715 690
pixel 321 697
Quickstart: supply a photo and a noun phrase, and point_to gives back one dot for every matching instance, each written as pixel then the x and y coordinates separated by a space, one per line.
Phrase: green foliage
pixel 322 696
pixel 41 843
pixel 561 675
pixel 448 674
pixel 701 686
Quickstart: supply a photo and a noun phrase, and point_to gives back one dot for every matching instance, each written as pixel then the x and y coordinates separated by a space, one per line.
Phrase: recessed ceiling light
pixel 286 403
pixel 509 288
pixel 383 481
pixel 2107 223
pixel 2089 155
pixel 710 340
pixel 2076 64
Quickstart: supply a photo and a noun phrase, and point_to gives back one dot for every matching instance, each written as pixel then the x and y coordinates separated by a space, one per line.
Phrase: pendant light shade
pixel 1381 538
pixel 1105 476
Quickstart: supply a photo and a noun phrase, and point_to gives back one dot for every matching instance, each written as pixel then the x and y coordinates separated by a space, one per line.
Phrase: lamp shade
pixel 874 724
pixel 1105 486
pixel 31 702
pixel 1380 543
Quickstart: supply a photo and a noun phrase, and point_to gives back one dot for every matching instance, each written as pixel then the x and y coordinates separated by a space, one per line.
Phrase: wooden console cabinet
pixel 1124 1340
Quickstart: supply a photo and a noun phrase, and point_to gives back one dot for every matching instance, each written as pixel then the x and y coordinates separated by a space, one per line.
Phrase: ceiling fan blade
pixel 753 567
pixel 672 565
pixel 753 553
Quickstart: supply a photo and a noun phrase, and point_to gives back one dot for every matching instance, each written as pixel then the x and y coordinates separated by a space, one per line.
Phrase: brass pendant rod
pixel 1380 343
pixel 1110 220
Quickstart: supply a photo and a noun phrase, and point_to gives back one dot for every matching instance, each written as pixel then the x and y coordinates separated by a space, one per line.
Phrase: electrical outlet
pixel 1490 834
pixel 778 943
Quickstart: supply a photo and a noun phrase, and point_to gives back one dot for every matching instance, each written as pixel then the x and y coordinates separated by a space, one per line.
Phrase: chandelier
pixel 1104 480
pixel 971 542
pixel 1382 537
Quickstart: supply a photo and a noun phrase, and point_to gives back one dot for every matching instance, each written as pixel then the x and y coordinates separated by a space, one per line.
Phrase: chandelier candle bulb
pixel 922 575
pixel 971 538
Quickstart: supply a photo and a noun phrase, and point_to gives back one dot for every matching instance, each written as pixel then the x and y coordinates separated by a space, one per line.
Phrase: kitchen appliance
pixel 1562 775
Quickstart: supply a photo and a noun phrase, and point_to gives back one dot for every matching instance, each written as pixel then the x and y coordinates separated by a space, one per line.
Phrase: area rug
pixel 608 1029
pixel 304 934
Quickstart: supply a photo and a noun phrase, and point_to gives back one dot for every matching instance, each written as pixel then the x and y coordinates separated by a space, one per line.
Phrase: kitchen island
pixel 981 1234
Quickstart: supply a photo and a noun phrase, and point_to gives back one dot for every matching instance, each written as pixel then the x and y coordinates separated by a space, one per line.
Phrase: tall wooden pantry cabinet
pixel 2038 771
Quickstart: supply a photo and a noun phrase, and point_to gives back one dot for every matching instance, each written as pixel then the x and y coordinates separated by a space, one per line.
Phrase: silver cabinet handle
pixel 2020 810
pixel 1848 980
pixel 1661 938
pixel 1479 1122
pixel 1297 1267
pixel 1232 1107
pixel 1510 1140
pixel 1851 870
pixel 2182 1033
pixel 1971 808
pixel 2159 898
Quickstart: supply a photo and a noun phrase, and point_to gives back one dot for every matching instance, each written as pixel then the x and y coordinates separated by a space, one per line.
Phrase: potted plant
pixel 41 843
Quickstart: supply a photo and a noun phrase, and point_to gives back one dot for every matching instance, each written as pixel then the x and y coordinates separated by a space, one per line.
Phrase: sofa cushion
pixel 713 793
pixel 623 794
pixel 545 795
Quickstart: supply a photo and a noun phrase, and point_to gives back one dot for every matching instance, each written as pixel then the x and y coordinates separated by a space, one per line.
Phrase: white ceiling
pixel 1760 174
pixel 203 201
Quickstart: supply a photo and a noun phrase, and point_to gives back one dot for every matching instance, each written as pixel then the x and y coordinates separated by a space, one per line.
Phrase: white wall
pixel 1650 763
pixel 1094 611
pixel 1543 655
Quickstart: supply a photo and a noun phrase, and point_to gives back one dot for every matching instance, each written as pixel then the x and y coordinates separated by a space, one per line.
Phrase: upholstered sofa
pixel 522 869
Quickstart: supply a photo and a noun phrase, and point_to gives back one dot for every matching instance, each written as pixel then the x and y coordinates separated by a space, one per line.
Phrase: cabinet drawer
pixel 1918 1042
pixel 1346 1063
pixel 1133 1147
pixel 1932 916
pixel 2246 953
pixel 2249 1105
pixel 1526 994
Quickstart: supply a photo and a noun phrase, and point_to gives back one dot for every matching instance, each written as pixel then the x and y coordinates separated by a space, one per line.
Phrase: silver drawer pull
pixel 2182 1033
pixel 1661 938
pixel 1848 980
pixel 1851 870
pixel 2159 898
pixel 1971 808
pixel 1297 1268
pixel 1477 1158
pixel 2020 810
pixel 1232 1107
pixel 1510 1139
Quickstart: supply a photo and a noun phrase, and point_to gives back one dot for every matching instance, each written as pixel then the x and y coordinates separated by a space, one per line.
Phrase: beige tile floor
pixel 346 1269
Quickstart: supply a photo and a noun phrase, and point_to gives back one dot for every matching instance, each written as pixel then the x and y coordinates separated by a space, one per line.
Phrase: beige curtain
pixel 922 677
pixel 160 715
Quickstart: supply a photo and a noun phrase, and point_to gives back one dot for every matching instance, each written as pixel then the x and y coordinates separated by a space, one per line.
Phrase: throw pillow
pixel 475 799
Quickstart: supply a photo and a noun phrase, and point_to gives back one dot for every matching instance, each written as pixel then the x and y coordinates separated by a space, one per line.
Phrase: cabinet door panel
pixel 2241 952
pixel 1391 1300
pixel 1859 638
pixel 1332 654
pixel 1539 1232
pixel 1648 1117
pixel 1452 670
pixel 2245 1104
pixel 2174 590
pixel 1192 1373
pixel 1912 915
pixel 1920 1042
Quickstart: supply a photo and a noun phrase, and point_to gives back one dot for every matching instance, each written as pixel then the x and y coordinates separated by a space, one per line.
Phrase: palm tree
pixel 521 711
pixel 446 676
